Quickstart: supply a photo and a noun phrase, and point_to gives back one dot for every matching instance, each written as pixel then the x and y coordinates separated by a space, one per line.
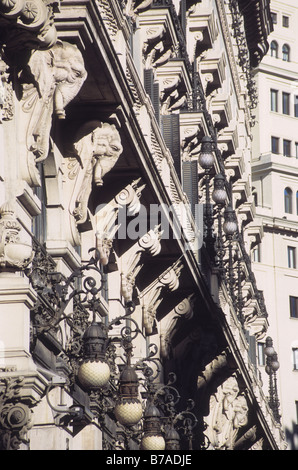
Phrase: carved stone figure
pixel 97 147
pixel 228 413
pixel 52 79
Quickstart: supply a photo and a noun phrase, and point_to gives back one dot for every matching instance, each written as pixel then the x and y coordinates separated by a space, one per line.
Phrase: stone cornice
pixel 258 25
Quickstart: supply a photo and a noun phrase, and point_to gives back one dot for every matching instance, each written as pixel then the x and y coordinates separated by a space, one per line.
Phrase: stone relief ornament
pixel 228 413
pixel 107 214
pixel 14 254
pixel 152 297
pixel 15 417
pixel 33 18
pixel 6 93
pixel 97 148
pixel 149 243
pixel 57 76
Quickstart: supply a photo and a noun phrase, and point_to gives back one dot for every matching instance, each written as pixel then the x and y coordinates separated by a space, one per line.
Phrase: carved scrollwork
pixel 152 298
pixel 150 243
pixel 15 417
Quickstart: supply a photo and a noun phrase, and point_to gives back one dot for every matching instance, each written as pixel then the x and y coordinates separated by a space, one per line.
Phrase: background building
pixel 129 311
pixel 275 188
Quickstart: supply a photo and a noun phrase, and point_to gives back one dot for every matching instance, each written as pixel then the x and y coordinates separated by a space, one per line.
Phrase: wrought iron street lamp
pixel 219 196
pixel 206 161
pixel 272 366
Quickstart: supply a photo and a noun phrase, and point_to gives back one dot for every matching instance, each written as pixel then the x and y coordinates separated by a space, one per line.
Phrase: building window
pixel 274 49
pixel 296 149
pixel 296 202
pixel 256 254
pixel 286 53
pixel 291 257
pixel 255 196
pixel 261 354
pixel 285 21
pixel 274 100
pixel 293 306
pixel 296 106
pixel 288 200
pixel 295 358
pixel 274 144
pixel 287 148
pixel 274 18
pixel 286 103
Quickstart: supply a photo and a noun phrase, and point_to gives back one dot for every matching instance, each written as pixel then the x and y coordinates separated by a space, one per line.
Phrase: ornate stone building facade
pixel 129 312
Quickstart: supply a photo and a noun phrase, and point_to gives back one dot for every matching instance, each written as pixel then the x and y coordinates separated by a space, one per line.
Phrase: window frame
pixel 291 257
pixel 288 200
pixel 295 105
pixel 276 141
pixel 274 100
pixel 285 53
pixel 261 353
pixel 274 49
pixel 286 146
pixel 293 301
pixel 285 21
pixel 295 358
pixel 286 98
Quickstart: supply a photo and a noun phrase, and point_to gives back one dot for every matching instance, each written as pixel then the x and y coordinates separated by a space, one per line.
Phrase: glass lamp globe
pixel 206 156
pixel 274 363
pixel 230 224
pixel 219 194
pixel 152 438
pixel 128 410
pixel 269 349
pixel 94 372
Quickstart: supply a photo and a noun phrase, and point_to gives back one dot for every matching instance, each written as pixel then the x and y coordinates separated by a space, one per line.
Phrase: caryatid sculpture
pixel 98 147
pixel 50 82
